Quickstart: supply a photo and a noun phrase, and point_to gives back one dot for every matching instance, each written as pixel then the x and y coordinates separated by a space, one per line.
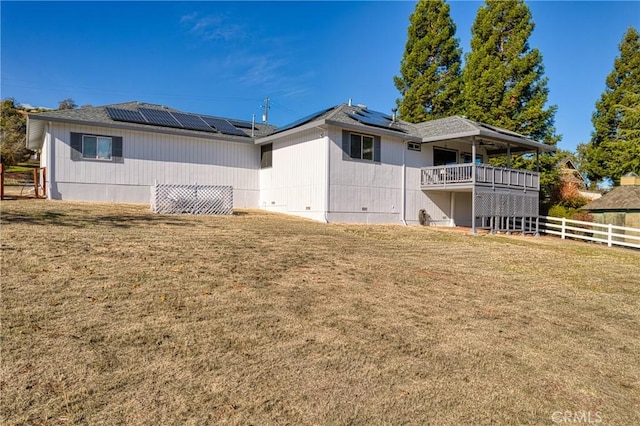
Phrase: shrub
pixel 558 210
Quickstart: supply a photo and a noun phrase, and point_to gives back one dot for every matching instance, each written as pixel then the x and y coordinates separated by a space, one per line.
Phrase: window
pixel 414 146
pixel 266 156
pixel 361 147
pixel 96 147
pixel 466 158
pixel 444 157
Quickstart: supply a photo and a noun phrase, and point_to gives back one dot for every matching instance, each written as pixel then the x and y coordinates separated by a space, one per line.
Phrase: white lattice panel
pixel 506 204
pixel 192 199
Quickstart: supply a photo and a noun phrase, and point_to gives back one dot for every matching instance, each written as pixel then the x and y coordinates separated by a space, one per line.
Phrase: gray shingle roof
pixel 98 116
pixel 341 115
pixel 445 127
pixel 621 198
pixel 494 138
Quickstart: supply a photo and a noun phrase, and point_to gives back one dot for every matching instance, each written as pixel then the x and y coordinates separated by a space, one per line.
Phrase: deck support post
pixel 473 186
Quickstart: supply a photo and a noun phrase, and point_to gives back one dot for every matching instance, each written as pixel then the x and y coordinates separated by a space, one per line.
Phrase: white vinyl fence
pixel 589 231
pixel 192 199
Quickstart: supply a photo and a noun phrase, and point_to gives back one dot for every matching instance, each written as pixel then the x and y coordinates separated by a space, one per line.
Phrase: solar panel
pixel 192 121
pixel 374 118
pixel 127 115
pixel 223 126
pixel 159 117
pixel 243 124
pixel 302 121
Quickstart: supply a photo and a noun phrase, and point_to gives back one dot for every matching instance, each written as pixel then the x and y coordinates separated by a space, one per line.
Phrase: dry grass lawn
pixel 111 314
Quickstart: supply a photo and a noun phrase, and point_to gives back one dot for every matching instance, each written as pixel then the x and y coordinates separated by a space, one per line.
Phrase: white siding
pixel 296 184
pixel 150 157
pixel 366 192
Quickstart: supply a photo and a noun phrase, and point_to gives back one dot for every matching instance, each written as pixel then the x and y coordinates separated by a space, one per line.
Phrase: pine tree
pixel 614 148
pixel 430 83
pixel 503 77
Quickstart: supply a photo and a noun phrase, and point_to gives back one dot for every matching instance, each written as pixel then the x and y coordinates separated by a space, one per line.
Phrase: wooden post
pixel 35 182
pixel 44 182
pixel 1 181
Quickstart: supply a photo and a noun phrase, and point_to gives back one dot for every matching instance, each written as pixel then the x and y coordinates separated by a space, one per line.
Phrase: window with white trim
pixel 414 146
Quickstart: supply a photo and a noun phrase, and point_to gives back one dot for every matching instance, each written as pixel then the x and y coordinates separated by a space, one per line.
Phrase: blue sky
pixel 225 58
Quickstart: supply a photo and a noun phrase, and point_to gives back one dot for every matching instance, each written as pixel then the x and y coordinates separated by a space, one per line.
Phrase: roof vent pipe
pixel 349 101
pixel 393 114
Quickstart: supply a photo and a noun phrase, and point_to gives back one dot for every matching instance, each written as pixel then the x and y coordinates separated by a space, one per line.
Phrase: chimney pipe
pixel 393 114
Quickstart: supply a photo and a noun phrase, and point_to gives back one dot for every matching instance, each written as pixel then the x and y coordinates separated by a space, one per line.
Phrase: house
pixel 342 164
pixel 621 206
pixel 570 176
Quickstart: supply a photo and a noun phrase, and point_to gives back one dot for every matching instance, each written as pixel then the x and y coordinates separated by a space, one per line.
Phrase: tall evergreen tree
pixel 430 83
pixel 503 77
pixel 614 148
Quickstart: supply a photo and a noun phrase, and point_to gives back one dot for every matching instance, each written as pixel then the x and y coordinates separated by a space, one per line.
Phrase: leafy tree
pixel 13 127
pixel 67 104
pixel 503 77
pixel 614 148
pixel 430 82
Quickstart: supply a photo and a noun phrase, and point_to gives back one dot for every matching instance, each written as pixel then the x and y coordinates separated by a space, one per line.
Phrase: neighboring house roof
pixel 621 198
pixel 570 173
pixel 99 116
pixel 494 139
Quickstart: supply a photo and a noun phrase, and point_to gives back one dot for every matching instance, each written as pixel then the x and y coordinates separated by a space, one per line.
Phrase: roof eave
pixel 517 141
pixel 527 144
pixel 449 136
pixel 303 127
pixel 35 134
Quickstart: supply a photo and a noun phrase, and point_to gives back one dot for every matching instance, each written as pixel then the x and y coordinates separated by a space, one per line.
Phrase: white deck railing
pixel 589 231
pixel 456 174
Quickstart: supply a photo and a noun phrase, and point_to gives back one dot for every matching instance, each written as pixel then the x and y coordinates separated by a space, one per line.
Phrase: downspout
pixel 403 205
pixel 49 161
pixel 328 198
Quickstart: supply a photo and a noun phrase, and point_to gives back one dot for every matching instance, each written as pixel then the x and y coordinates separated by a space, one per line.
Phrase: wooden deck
pixel 466 176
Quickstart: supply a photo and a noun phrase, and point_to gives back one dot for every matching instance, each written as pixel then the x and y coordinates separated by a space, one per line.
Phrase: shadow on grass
pixel 80 219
